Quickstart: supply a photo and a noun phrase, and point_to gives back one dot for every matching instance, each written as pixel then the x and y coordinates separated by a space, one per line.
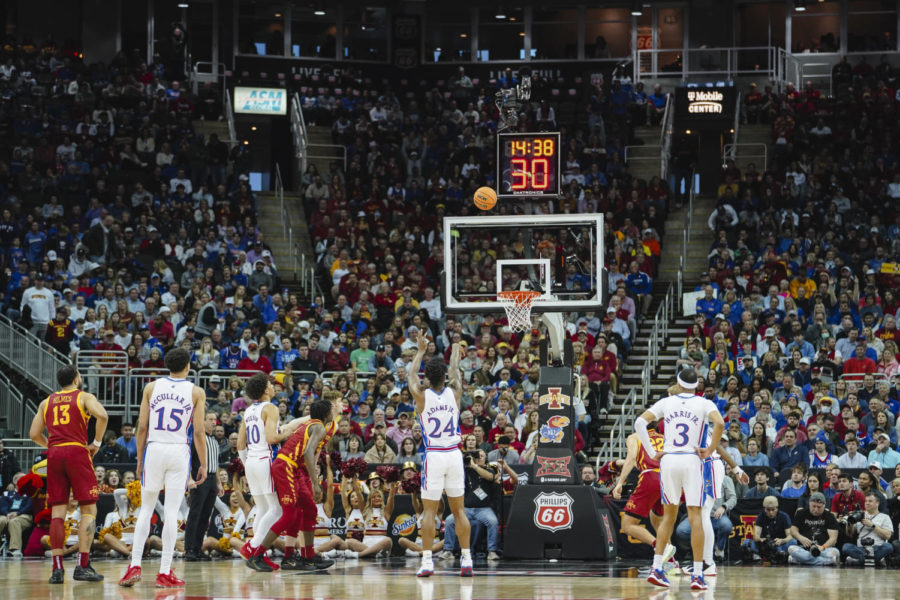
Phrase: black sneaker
pixel 318 563
pixel 57 576
pixel 293 563
pixel 258 564
pixel 86 574
pixel 191 556
pixel 203 557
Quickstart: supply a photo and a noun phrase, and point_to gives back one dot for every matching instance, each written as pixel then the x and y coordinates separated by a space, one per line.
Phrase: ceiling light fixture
pixel 800 5
pixel 319 13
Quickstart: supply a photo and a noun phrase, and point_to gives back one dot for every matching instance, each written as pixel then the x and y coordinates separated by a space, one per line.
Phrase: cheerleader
pixel 72 519
pixel 326 543
pixel 232 519
pixel 118 528
pixel 367 520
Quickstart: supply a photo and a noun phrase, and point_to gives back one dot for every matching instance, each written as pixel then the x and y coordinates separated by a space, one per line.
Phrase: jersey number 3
pixel 682 430
pixel 438 430
pixel 174 421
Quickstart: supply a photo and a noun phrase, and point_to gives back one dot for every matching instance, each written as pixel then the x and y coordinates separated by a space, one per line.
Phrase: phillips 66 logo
pixel 553 511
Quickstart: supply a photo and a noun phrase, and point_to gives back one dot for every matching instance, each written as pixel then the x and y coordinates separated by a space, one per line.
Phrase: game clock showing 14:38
pixel 528 165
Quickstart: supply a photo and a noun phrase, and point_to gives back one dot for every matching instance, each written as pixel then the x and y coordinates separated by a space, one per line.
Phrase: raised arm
pixel 345 495
pixel 412 373
pixel 389 502
pixel 328 505
pixel 454 373
pixel 239 489
pixel 36 433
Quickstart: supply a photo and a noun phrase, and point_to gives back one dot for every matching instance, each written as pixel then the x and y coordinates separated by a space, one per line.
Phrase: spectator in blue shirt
pixel 762 489
pixel 806 349
pixel 232 355
pixel 796 486
pixel 709 305
pixel 286 355
pixel 128 441
pixel 34 243
pixel 263 303
pixel 640 286
pixel 788 454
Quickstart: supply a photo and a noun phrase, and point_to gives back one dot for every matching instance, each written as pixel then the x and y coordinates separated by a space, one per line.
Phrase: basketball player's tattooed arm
pixel 632 443
pixel 96 410
pixel 316 434
pixel 412 375
pixel 36 433
pixel 739 472
pixel 453 374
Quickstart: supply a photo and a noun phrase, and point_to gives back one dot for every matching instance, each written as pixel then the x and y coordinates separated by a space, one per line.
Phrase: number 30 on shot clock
pixel 528 165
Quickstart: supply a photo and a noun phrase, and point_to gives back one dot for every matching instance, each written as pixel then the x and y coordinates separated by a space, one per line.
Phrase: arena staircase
pixel 644 154
pixel 753 146
pixel 287 234
pixel 668 339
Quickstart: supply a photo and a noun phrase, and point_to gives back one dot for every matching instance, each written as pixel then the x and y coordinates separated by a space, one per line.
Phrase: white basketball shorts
pixel 166 466
pixel 259 475
pixel 681 473
pixel 442 470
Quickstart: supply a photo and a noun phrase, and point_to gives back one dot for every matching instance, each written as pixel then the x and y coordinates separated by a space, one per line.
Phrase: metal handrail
pixel 771 69
pixel 665 137
pixel 686 236
pixel 341 148
pixel 30 356
pixel 736 128
pixel 730 151
pixel 287 227
pixel 299 133
pixel 23 449
pixel 229 115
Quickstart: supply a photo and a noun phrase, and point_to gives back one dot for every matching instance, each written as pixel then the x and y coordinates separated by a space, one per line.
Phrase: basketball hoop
pixel 518 305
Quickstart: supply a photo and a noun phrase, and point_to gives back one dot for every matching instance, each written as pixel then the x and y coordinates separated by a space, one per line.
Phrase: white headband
pixel 686 385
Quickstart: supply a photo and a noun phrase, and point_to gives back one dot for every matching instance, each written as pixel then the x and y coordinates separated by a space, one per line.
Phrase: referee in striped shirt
pixel 203 497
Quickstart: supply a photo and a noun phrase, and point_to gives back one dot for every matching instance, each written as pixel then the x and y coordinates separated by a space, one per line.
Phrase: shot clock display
pixel 528 165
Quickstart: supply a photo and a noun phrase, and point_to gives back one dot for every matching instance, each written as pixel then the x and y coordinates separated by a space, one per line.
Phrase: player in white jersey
pixel 259 431
pixel 437 407
pixel 713 479
pixel 684 416
pixel 170 409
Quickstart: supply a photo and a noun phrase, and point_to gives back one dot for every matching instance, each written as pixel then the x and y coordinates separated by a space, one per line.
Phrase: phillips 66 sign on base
pixel 553 511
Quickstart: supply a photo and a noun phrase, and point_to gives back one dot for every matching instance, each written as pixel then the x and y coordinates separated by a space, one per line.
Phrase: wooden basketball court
pixel 394 579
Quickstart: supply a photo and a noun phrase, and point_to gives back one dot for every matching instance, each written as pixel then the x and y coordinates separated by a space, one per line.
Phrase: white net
pixel 518 308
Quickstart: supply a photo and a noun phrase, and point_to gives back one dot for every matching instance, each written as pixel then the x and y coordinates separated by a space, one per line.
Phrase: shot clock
pixel 528 165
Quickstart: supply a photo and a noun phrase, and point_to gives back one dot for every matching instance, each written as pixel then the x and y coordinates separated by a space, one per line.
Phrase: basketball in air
pixel 485 198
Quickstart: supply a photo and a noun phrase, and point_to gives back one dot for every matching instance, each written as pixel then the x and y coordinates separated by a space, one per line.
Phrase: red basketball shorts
pixel 646 496
pixel 70 469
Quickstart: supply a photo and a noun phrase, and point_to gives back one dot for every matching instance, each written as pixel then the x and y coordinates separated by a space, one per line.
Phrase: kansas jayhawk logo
pixel 554 399
pixel 553 430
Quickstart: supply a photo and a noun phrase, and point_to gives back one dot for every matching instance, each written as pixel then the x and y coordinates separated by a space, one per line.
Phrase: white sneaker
pixel 710 571
pixel 411 553
pixel 350 554
pixel 493 555
pixel 465 566
pixel 719 554
pixel 333 553
pixel 668 553
pixel 426 569
pixel 16 554
pixel 383 554
pixel 444 555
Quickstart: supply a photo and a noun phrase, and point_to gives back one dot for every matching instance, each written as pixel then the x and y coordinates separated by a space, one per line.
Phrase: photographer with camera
pixel 771 535
pixel 873 530
pixel 816 532
pixel 482 495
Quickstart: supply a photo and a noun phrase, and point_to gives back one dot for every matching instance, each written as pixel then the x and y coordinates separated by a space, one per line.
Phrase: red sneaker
pixel 168 580
pixel 275 566
pixel 131 577
pixel 245 551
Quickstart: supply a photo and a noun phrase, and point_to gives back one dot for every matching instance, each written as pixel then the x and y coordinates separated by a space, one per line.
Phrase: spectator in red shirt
pixel 859 364
pixel 161 328
pixel 599 368
pixel 500 423
pixel 254 361
pixel 109 342
pixel 336 359
pixel 155 362
pixel 848 499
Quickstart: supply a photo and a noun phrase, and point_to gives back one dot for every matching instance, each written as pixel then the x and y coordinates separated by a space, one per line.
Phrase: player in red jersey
pixel 292 542
pixel 298 489
pixel 646 500
pixel 65 415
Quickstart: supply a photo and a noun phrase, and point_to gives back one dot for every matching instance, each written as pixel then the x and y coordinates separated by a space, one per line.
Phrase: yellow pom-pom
pixel 114 530
pixel 134 493
pixel 68 531
pixel 224 545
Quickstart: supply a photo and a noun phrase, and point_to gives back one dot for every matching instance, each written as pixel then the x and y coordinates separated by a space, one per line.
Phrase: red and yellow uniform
pixel 646 495
pixel 69 465
pixel 293 484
